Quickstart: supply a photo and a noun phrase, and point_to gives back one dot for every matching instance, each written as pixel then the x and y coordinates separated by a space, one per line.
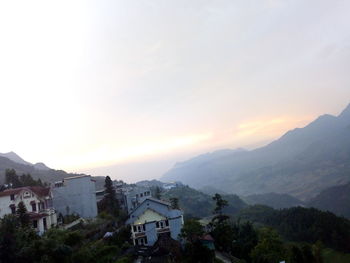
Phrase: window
pixel 144 227
pixel 13 209
pixel 162 224
pixel 34 207
pixel 141 195
pixel 12 197
pixel 45 224
pixel 134 228
pixel 35 223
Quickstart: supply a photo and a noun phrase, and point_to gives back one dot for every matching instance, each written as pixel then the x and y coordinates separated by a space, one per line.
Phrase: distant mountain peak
pixel 345 113
pixel 41 166
pixel 15 158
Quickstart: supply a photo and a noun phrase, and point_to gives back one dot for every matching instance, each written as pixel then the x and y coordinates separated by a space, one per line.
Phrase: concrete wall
pixel 77 195
pixel 175 225
pixel 151 233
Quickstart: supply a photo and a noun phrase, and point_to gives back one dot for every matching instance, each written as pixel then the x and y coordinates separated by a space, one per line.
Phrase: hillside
pixel 301 163
pixel 303 225
pixel 274 200
pixel 17 159
pixel 334 199
pixel 45 174
pixel 197 204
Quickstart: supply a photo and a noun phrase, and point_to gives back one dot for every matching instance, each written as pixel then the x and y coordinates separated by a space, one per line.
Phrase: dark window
pixel 45 224
pixel 166 222
pixel 134 227
pixel 144 227
pixel 35 223
pixel 146 241
pixel 34 207
pixel 136 242
pixel 13 209
pixel 157 224
pixel 12 197
pixel 141 195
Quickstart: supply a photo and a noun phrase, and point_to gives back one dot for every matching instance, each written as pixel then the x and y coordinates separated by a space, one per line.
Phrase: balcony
pixel 163 230
pixel 139 234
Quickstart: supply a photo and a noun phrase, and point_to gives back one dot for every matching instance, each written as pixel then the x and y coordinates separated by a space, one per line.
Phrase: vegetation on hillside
pixel 273 200
pixel 197 204
pixel 335 199
pixel 11 178
pixel 303 225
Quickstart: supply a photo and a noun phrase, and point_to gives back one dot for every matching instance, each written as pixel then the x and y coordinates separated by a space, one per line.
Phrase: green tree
pixel 220 204
pixel 218 210
pixel 192 230
pixel 245 239
pixel 197 253
pixel 8 245
pixel 12 178
pixel 23 215
pixel 270 248
pixel 158 193
pixel 110 199
pixel 174 201
pixel 223 235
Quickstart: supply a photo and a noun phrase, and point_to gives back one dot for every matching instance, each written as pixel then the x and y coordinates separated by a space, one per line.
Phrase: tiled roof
pixel 38 190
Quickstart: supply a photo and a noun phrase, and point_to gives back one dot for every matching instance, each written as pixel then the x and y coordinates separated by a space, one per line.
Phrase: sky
pixel 91 84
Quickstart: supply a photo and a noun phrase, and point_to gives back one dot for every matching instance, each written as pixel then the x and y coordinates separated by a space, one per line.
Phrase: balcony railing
pixel 163 230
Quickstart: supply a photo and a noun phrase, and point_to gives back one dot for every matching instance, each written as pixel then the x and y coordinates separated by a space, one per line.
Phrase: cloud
pixel 270 127
pixel 113 154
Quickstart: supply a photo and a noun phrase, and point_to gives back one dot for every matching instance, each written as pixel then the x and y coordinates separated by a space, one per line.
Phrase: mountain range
pixel 17 159
pixel 302 163
pixel 11 160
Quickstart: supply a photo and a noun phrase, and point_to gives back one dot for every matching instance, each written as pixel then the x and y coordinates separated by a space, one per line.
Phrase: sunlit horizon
pixel 103 83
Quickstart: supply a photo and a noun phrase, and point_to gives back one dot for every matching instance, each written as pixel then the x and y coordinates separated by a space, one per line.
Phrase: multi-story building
pixel 38 202
pixel 133 197
pixel 153 218
pixel 77 195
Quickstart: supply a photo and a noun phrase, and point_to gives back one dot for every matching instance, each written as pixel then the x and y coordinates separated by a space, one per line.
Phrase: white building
pixel 38 202
pixel 75 194
pixel 153 218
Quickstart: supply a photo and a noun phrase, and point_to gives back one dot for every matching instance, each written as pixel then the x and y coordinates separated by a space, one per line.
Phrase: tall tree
pixel 158 193
pixel 174 203
pixel 22 214
pixel 192 230
pixel 110 197
pixel 12 178
pixel 269 249
pixel 218 210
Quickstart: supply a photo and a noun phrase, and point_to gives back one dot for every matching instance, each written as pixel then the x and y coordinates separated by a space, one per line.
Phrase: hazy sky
pixel 93 83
